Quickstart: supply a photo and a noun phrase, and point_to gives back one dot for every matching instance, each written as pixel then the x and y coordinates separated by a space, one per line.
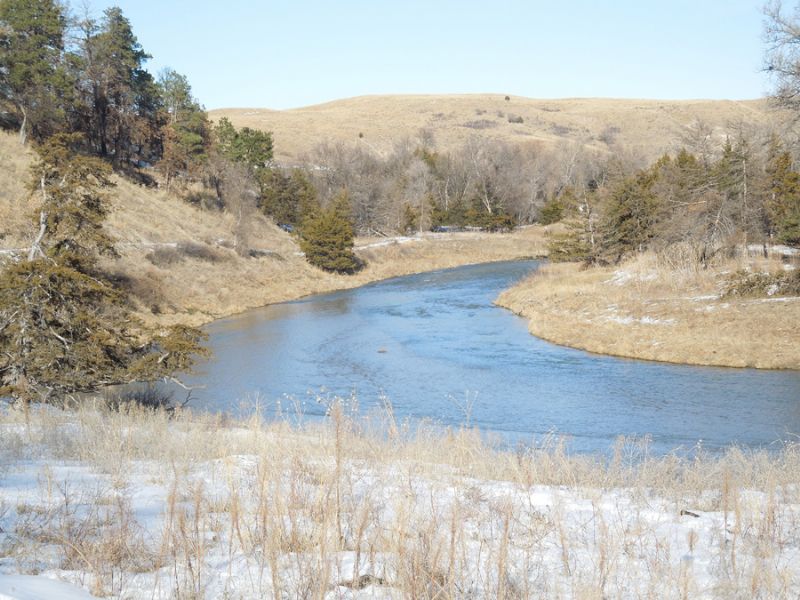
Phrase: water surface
pixel 436 347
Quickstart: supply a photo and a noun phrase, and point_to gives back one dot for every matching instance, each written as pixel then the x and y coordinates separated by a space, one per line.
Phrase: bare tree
pixel 782 57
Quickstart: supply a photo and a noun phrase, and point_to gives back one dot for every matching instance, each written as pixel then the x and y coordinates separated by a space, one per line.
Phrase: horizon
pixel 491 94
pixel 282 55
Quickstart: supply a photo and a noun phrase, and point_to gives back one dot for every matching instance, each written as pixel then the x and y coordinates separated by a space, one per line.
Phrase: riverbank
pixel 141 505
pixel 214 283
pixel 641 309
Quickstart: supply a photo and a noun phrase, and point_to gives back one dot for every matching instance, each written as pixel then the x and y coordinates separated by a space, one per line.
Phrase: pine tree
pixel 630 215
pixel 327 238
pixel 783 198
pixel 31 73
pixel 250 147
pixel 287 199
pixel 121 99
pixel 186 138
pixel 64 328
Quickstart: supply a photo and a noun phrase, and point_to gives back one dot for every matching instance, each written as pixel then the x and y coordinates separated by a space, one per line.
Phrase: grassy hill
pixel 646 127
pixel 177 262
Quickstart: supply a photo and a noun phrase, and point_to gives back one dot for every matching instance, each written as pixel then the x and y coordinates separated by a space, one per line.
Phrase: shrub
pixel 744 284
pixel 480 124
pixel 164 256
pixel 199 251
pixel 150 396
pixel 552 211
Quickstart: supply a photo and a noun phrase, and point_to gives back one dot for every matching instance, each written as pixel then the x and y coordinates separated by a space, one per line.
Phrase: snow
pixel 778 249
pixel 27 587
pixel 627 320
pixel 560 537
pixel 390 242
pixel 623 277
pixel 613 316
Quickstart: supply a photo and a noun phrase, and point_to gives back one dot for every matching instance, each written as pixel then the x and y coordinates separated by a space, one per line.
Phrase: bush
pixel 150 396
pixel 552 211
pixel 199 251
pixel 480 124
pixel 515 119
pixel 747 284
pixel 165 256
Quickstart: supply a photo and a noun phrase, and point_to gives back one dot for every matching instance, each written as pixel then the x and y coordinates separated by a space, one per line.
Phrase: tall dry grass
pixel 658 307
pixel 135 504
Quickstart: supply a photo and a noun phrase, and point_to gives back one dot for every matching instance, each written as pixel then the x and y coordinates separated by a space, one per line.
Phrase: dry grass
pixel 647 128
pixel 16 226
pixel 648 309
pixel 138 505
pixel 150 225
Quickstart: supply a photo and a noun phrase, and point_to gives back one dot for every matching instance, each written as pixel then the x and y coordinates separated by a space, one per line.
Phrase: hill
pixel 177 261
pixel 646 127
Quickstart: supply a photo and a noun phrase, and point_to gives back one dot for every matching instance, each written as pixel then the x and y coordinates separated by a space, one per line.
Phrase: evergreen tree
pixel 250 147
pixel 327 238
pixel 186 137
pixel 287 199
pixel 63 327
pixel 783 198
pixel 630 215
pixel 32 77
pixel 121 99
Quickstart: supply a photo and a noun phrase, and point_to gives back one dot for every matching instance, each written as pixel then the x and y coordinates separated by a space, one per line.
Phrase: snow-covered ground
pixel 141 506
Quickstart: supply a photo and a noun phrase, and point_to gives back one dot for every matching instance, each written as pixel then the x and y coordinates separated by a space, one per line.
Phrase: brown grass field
pixel 646 128
pixel 646 309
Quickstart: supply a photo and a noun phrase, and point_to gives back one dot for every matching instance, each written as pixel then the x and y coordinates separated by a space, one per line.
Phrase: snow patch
pixel 627 320
pixel 622 277
pixel 390 242
pixel 28 587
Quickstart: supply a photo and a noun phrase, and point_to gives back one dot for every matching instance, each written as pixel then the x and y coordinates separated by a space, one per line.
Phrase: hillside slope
pixel 178 266
pixel 646 127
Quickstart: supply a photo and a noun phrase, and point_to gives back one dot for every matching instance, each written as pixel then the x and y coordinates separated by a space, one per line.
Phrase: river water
pixel 436 347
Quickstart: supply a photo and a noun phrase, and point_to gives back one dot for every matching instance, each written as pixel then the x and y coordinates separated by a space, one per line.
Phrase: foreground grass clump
pixel 136 504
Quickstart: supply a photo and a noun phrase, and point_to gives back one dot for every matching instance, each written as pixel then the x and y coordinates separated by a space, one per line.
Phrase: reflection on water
pixel 433 344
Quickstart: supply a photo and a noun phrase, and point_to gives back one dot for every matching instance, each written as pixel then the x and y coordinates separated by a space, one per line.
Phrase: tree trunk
pixel 23 129
pixel 36 246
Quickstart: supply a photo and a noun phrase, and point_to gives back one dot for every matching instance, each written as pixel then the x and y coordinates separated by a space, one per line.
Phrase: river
pixel 436 347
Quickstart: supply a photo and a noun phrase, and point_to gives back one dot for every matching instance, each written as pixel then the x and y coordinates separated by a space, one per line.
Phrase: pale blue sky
pixel 284 54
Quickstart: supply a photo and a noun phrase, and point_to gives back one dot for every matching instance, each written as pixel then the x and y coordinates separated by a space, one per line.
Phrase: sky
pixel 284 54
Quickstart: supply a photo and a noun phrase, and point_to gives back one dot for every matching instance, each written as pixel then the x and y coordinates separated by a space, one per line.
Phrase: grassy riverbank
pixel 198 289
pixel 138 505
pixel 646 309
